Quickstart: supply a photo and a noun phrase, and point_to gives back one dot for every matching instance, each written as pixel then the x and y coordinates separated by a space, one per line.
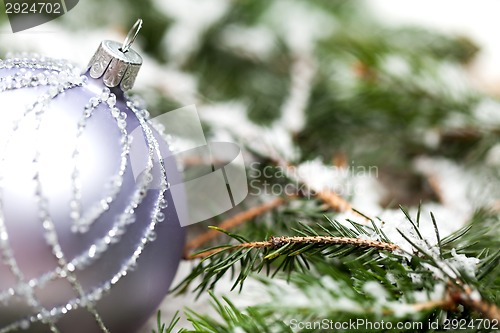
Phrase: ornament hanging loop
pixel 117 63
pixel 132 34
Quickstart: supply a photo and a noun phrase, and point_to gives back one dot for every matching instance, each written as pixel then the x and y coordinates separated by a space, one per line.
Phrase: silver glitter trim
pixel 60 76
pixel 117 68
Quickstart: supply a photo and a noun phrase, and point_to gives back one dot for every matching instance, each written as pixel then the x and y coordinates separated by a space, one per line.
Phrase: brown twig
pixel 330 198
pixel 488 310
pixel 443 303
pixel 334 201
pixel 330 240
pixel 277 242
pixel 232 222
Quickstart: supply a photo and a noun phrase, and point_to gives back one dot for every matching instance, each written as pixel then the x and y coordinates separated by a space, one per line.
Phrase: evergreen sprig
pixel 285 253
pixel 331 272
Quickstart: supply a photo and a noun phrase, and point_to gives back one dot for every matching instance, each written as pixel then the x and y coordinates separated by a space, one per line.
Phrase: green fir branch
pixel 335 275
pixel 286 253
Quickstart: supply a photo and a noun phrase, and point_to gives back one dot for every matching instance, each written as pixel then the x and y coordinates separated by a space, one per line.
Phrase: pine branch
pixel 289 252
pixel 231 320
pixel 263 316
pixel 348 276
pixel 282 241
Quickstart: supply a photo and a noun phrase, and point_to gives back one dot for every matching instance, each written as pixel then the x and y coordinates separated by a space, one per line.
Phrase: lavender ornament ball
pixel 87 244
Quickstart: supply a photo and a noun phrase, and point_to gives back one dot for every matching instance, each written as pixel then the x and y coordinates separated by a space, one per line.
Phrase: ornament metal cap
pixel 117 63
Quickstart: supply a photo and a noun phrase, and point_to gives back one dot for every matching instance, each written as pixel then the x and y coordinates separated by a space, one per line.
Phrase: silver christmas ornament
pixel 86 245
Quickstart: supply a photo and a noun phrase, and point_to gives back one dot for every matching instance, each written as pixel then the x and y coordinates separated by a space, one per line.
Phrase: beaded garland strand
pixel 60 76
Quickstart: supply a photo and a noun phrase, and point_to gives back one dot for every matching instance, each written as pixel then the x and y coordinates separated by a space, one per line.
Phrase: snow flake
pixel 192 18
pixel 463 263
pixel 300 23
pixel 258 41
pixel 376 290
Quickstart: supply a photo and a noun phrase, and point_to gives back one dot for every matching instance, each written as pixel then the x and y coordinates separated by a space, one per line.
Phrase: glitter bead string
pixel 89 256
pixel 48 225
pixel 148 236
pixel 82 224
pixel 67 268
pixel 7 253
pixel 63 82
